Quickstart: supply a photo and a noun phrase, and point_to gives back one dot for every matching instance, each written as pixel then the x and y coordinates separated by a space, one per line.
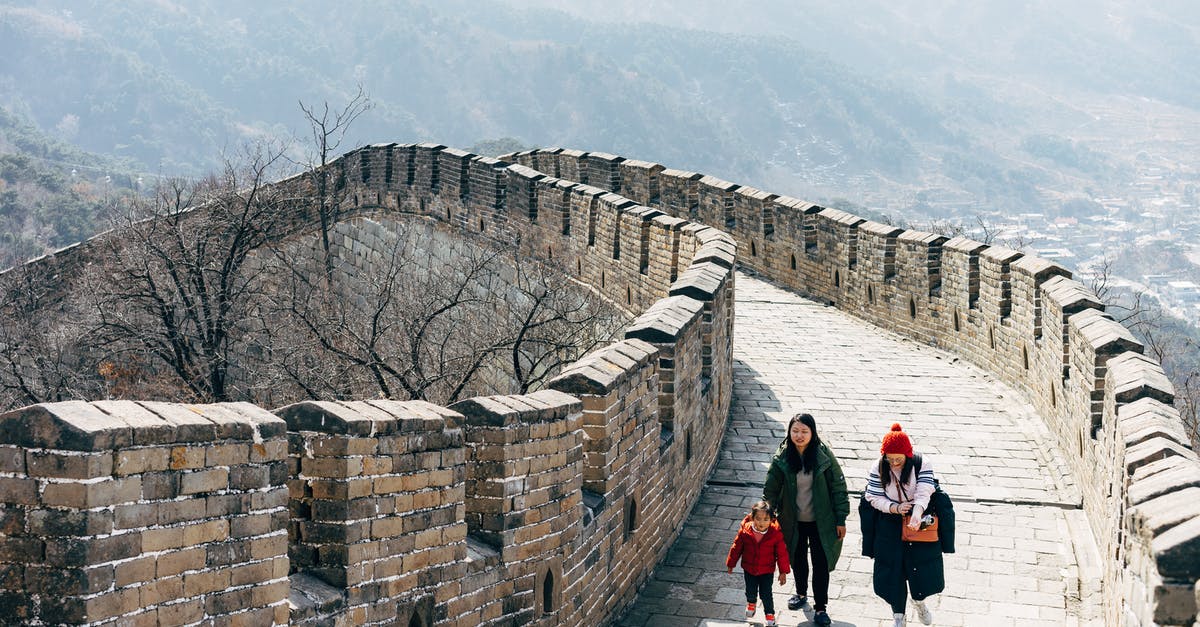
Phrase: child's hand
pixel 729 570
pixel 782 578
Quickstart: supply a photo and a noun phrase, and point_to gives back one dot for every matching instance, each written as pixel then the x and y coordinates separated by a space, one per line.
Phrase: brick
pixel 81 552
pixel 270 450
pixel 139 570
pixel 226 553
pixel 203 533
pixel 18 549
pixel 63 465
pixel 227 455
pixel 205 582
pixel 186 457
pixel 139 460
pixel 161 590
pixel 229 601
pixel 160 485
pixel 12 459
pixel 181 613
pixel 175 512
pixel 18 491
pixel 177 562
pixel 162 539
pixel 252 573
pixel 61 522
pixel 61 582
pixel 202 481
pixel 88 495
pixel 246 477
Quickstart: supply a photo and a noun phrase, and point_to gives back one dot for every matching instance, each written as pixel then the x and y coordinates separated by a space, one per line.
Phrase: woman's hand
pixel 841 534
pixel 782 578
pixel 914 523
pixel 903 508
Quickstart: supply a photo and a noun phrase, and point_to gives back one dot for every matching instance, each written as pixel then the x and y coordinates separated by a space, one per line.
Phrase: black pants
pixel 810 543
pixel 760 586
pixel 900 605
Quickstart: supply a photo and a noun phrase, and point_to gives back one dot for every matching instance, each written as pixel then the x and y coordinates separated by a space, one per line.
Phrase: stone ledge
pixel 1179 475
pixel 1071 295
pixel 880 229
pixel 1153 450
pixel 365 418
pixel 1147 418
pixel 110 425
pixel 1000 254
pixel 510 410
pixel 603 370
pixel 1168 510
pixel 665 320
pixel 1177 551
pixel 1134 376
pixel 1105 335
pixel 701 281
pixel 1039 269
pixel 964 245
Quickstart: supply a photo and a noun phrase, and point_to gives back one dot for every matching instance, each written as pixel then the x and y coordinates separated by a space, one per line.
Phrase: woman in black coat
pixel 896 487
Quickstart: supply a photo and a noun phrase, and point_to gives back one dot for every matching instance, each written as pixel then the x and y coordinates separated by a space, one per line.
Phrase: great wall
pixel 553 508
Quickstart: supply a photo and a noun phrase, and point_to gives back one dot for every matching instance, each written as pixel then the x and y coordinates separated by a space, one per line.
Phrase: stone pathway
pixel 1019 526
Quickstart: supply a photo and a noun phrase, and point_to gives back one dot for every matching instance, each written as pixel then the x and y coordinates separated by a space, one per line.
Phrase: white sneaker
pixel 923 612
pixel 899 620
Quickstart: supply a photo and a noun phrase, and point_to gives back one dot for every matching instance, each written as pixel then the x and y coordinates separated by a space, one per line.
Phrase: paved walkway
pixel 1019 528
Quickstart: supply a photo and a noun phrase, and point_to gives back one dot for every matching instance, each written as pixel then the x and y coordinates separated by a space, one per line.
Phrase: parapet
pixel 144 513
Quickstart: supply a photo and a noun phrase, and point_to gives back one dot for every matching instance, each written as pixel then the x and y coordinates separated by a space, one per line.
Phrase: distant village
pixel 1123 235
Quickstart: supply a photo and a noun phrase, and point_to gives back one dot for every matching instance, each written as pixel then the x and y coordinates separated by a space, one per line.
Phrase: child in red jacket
pixel 759 544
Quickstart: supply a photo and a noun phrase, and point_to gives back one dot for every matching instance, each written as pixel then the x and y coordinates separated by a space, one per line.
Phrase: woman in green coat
pixel 807 489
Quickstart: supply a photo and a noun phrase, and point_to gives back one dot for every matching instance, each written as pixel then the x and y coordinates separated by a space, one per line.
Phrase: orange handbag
pixel 927 532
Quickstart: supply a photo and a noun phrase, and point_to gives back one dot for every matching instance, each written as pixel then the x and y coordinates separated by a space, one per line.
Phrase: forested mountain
pixel 51 193
pixel 173 84
pixel 922 110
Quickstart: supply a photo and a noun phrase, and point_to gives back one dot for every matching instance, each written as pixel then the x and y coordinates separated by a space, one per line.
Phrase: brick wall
pixel 128 513
pixel 1019 317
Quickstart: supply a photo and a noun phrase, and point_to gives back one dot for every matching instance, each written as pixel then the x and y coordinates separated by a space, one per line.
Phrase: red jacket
pixel 759 556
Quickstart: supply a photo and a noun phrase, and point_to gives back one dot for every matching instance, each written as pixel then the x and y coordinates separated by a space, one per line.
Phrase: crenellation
pixel 97 546
pixel 640 181
pixel 378 511
pixel 680 193
pixel 715 203
pixel 754 210
pixel 604 171
pixel 1016 316
pixel 572 165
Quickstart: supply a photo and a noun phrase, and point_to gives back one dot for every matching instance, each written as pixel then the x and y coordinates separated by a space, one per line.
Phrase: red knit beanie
pixel 896 441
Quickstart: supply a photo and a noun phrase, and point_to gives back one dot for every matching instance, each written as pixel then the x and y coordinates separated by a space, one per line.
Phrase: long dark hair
pixel 885 470
pixel 808 461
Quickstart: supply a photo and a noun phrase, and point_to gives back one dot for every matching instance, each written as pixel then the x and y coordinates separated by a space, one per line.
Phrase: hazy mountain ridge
pixel 695 100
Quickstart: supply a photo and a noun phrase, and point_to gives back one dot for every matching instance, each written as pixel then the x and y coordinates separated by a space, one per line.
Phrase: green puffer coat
pixel 830 502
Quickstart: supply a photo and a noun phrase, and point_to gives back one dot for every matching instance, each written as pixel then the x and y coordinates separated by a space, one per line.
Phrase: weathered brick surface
pixel 1018 317
pixel 118 514
pixel 1021 318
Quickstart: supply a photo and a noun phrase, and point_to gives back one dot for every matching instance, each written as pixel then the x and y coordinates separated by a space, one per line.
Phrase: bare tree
pixel 173 297
pixel 1170 341
pixel 327 130
pixel 433 317
pixel 43 341
pixel 554 321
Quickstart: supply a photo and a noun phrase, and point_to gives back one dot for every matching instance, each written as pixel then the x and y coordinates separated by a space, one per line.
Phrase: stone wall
pixel 549 508
pixel 117 512
pixel 1019 317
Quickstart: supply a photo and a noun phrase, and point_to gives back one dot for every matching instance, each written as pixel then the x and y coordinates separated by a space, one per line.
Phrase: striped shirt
pixel 918 489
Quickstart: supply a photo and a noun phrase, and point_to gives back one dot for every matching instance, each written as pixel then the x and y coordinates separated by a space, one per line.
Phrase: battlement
pixel 546 508
pixel 1019 317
